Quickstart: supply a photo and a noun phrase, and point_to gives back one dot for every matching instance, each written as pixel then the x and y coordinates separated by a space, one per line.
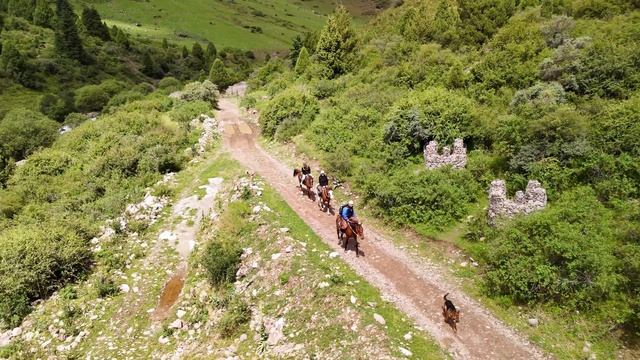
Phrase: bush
pixel 237 314
pixel 221 261
pixel 185 112
pixel 287 114
pixel 94 97
pixel 562 254
pixel 204 91
pixel 36 261
pixel 24 131
pixel 169 84
pixel 123 98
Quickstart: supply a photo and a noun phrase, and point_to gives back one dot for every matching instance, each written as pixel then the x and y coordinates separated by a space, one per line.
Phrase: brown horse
pixel 324 200
pixel 352 231
pixel 308 182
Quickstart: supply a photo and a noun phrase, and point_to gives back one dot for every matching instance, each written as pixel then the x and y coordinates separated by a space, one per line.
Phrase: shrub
pixel 123 98
pixel 106 287
pixel 95 97
pixel 221 261
pixel 287 114
pixel 204 91
pixel 24 131
pixel 169 83
pixel 237 314
pixel 185 112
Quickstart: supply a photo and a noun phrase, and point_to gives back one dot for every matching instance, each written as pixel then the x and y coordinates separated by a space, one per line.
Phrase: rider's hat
pixel 321 171
pixel 350 202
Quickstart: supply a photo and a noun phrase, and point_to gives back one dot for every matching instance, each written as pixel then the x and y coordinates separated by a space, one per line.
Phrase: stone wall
pixel 457 159
pixel 534 198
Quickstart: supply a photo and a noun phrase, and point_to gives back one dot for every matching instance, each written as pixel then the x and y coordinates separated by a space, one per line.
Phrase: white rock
pixel 275 256
pixel 333 255
pixel 256 209
pixel 129 330
pixel 242 338
pixel 464 264
pixel 177 324
pixel 135 289
pixel 353 299
pixel 533 322
pixel 379 319
pixel 16 332
pixel 405 352
pixel 255 265
pixel 124 288
pixel 180 313
pixel 275 332
pixel 163 340
pixel 323 284
pixel 288 249
pixel 408 336
pixel 167 235
pixel 284 230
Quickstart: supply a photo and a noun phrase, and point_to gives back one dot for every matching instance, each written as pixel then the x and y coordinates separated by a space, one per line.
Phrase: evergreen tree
pixel 185 52
pixel 445 23
pixel 148 67
pixel 456 76
pixel 43 14
pixel 303 61
pixel 197 57
pixel 219 75
pixel 165 43
pixel 94 25
pixel 67 40
pixel 122 38
pixel 308 40
pixel 210 54
pixel 14 65
pixel 337 43
pixel 22 8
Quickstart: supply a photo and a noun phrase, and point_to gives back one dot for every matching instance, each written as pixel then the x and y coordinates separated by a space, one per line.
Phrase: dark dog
pixel 450 313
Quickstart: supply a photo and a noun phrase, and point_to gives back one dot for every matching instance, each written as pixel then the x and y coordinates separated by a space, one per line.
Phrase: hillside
pixel 247 24
pixel 535 91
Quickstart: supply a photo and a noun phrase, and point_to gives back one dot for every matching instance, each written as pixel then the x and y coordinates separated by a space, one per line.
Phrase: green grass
pixel 225 23
pixel 16 96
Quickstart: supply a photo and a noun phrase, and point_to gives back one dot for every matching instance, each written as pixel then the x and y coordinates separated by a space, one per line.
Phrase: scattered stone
pixel 288 249
pixel 180 313
pixel 177 324
pixel 168 236
pixel 275 256
pixel 323 285
pixel 353 299
pixel 457 159
pixel 464 264
pixel 379 319
pixel 242 337
pixel 124 288
pixel 274 329
pixel 408 336
pixel 163 340
pixel 284 230
pixel 405 352
pixel 333 255
pixel 256 209
pixel 533 322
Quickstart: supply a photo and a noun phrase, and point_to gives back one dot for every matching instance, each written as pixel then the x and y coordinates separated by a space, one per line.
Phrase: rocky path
pixel 416 286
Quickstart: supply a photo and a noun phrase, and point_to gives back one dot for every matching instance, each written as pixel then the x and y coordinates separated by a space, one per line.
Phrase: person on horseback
pixel 323 181
pixel 347 214
pixel 306 170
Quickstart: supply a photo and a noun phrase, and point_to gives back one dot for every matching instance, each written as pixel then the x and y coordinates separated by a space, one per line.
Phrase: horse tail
pixel 445 297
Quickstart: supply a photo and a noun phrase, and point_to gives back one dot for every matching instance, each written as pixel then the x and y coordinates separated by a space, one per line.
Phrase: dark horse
pixel 308 182
pixel 352 231
pixel 324 200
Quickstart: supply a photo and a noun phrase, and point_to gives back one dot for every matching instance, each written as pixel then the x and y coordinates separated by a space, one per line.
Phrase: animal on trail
pixel 324 199
pixel 450 313
pixel 352 231
pixel 308 183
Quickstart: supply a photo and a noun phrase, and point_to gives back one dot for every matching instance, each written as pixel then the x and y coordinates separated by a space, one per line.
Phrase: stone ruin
pixel 534 198
pixel 457 159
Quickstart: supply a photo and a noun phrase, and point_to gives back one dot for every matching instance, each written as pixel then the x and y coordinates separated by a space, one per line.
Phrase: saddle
pixel 344 224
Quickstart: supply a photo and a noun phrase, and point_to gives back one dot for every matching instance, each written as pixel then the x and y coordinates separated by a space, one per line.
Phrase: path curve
pixel 415 286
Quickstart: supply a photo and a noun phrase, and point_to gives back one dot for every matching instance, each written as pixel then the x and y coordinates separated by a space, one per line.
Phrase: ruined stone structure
pixel 534 198
pixel 457 159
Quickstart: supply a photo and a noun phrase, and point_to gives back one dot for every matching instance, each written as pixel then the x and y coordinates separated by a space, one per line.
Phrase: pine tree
pixel 337 43
pixel 303 61
pixel 122 38
pixel 22 8
pixel 219 75
pixel 456 76
pixel 185 52
pixel 43 14
pixel 210 54
pixel 14 65
pixel 148 67
pixel 165 43
pixel 67 40
pixel 446 22
pixel 94 25
pixel 197 56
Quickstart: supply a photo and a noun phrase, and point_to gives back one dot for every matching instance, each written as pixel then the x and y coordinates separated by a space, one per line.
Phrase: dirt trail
pixel 415 286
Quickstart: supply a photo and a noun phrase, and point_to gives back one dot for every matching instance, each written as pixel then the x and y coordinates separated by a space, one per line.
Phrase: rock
pixel 333 255
pixel 163 340
pixel 464 264
pixel 275 256
pixel 177 324
pixel 168 236
pixel 379 319
pixel 256 209
pixel 255 265
pixel 284 230
pixel 180 313
pixel 457 159
pixel 323 285
pixel 242 337
pixel 124 288
pixel 288 249
pixel 533 322
pixel 353 299
pixel 405 352
pixel 275 332
pixel 408 336
pixel 16 332
pixel 532 199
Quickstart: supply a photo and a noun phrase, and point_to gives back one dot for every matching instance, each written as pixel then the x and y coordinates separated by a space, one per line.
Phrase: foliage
pixel 288 114
pixel 337 44
pixel 43 14
pixel 302 63
pixel 219 75
pixel 94 25
pixel 95 97
pixel 22 132
pixel 204 91
pixel 67 40
pixel 237 314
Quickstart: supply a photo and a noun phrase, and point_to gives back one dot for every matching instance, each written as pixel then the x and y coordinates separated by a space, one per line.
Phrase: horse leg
pixel 346 242
pixel 357 249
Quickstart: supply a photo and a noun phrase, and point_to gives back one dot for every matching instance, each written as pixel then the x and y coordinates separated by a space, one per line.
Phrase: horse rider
pixel 323 181
pixel 348 215
pixel 306 170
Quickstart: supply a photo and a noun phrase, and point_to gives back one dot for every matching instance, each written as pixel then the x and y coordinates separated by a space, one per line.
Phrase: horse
pixel 308 182
pixel 324 200
pixel 353 230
